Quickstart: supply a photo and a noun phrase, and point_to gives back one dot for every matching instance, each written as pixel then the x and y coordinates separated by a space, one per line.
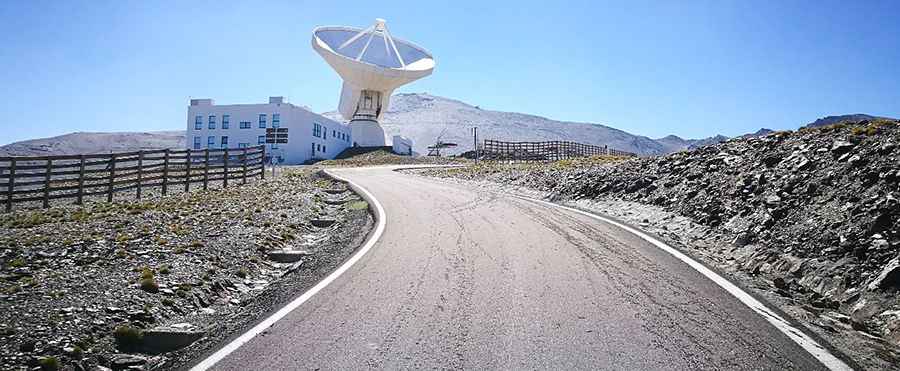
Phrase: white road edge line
pixel 809 344
pixel 268 322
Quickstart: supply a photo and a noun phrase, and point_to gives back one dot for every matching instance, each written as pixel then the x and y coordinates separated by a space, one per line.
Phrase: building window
pixel 333 133
pixel 243 145
pixel 225 121
pixel 313 149
pixel 210 142
pixel 323 149
pixel 318 147
pixel 224 141
pixel 262 120
pixel 196 142
pixel 261 139
pixel 198 122
pixel 274 145
pixel 317 130
pixel 325 134
pixel 276 120
pixel 212 121
pixel 245 124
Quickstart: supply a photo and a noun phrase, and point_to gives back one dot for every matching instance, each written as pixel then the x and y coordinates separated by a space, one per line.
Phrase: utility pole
pixel 475 134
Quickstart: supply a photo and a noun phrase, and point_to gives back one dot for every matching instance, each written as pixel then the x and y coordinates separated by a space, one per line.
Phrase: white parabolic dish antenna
pixel 372 64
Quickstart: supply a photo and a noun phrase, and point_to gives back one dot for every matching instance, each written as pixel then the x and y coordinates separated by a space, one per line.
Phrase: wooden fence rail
pixel 496 150
pixel 45 178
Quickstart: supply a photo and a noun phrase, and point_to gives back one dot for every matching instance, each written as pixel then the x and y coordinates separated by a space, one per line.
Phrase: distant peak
pixel 671 137
pixel 828 120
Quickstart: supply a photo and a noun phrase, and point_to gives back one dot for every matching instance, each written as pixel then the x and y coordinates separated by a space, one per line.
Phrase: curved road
pixel 463 278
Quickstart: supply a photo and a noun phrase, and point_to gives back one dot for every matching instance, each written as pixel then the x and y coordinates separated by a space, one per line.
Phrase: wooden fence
pixel 495 150
pixel 45 178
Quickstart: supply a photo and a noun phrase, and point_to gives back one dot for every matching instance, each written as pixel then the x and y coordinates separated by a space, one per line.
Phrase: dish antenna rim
pixel 423 64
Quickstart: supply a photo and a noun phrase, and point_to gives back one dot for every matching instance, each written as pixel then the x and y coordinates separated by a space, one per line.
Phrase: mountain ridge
pixel 830 120
pixel 95 142
pixel 424 118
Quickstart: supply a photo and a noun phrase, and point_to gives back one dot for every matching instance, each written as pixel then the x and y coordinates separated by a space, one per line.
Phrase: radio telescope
pixel 372 64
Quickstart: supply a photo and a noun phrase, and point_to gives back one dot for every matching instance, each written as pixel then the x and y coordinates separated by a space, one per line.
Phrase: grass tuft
pixel 358 205
pixel 49 363
pixel 242 272
pixel 149 285
pixel 128 337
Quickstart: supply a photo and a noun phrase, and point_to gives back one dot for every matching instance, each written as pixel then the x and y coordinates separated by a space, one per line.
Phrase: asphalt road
pixel 464 278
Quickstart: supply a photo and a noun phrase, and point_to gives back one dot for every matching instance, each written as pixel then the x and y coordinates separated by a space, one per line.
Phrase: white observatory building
pixel 372 64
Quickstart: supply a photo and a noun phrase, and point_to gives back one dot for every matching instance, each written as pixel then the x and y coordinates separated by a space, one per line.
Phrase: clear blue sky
pixel 653 68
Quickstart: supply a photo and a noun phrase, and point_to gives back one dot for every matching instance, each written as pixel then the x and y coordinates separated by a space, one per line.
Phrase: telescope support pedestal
pixel 366 133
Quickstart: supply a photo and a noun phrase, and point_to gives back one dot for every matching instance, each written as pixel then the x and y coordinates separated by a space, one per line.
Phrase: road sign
pixel 277 135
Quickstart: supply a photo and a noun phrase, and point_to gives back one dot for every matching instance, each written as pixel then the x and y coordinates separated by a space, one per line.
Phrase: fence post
pixel 80 198
pixel 262 163
pixel 140 173
pixel 187 172
pixel 225 171
pixel 165 179
pixel 47 183
pixel 112 177
pixel 205 168
pixel 244 165
pixel 11 184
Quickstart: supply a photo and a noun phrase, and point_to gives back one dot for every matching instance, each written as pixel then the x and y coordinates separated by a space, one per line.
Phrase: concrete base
pixel 367 133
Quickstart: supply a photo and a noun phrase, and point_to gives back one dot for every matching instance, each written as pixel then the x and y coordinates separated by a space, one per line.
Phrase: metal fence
pixel 45 178
pixel 495 150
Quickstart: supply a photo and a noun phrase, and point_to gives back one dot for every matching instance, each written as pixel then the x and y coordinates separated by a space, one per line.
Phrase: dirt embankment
pixel 153 284
pixel 813 214
pixel 385 157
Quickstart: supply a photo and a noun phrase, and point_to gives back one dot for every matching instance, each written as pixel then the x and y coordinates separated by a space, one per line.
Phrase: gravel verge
pixel 155 283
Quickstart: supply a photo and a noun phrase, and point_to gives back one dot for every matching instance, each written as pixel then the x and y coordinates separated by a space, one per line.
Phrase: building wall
pixel 303 144
pixel 402 145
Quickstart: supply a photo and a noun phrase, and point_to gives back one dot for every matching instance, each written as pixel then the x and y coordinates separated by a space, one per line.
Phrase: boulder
pixel 168 338
pixel 287 256
pixel 889 276
pixel 840 147
pixel 124 361
pixel 322 223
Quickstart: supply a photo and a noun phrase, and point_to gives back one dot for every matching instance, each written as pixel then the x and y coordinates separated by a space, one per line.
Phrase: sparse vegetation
pixel 358 205
pixel 49 363
pixel 149 285
pixel 17 262
pixel 242 272
pixel 147 273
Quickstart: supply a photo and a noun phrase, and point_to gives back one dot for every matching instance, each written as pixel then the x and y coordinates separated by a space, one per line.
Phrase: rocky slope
pixel 86 143
pixel 153 284
pixel 815 213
